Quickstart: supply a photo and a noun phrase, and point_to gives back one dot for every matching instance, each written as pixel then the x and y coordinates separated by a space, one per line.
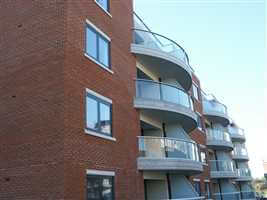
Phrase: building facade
pixel 97 106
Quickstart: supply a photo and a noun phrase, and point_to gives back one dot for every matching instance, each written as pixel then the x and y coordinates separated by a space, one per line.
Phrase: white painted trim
pixel 103 8
pixel 89 132
pixel 98 95
pixel 98 30
pixel 207 181
pixel 98 63
pixel 99 172
pixel 196 179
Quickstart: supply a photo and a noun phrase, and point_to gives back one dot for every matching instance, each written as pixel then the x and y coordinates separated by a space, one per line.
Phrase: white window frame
pixel 99 172
pixel 104 35
pixel 200 128
pixel 107 12
pixel 193 91
pixel 95 133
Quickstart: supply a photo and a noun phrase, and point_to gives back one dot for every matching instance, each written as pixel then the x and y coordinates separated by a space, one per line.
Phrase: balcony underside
pixel 220 145
pixel 241 157
pixel 164 65
pixel 238 138
pixel 223 174
pixel 167 112
pixel 170 165
pixel 244 179
pixel 217 117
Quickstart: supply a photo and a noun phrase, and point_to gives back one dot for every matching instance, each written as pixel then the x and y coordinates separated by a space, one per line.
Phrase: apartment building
pixel 97 106
pixel 229 168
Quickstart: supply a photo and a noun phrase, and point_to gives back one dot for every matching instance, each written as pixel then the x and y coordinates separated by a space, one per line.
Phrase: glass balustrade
pixel 239 151
pixel 236 131
pixel 222 165
pixel 227 196
pixel 218 135
pixel 214 106
pixel 158 147
pixel 244 172
pixel 160 91
pixel 158 42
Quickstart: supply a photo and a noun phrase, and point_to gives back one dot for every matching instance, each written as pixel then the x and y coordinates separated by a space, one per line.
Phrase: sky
pixel 225 41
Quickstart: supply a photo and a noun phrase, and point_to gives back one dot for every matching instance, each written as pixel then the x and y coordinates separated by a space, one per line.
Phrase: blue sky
pixel 225 41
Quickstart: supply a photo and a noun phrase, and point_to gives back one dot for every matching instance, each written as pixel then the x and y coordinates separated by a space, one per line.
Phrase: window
pixel 197 187
pixel 203 157
pixel 98 115
pixel 207 189
pixel 199 122
pixel 97 46
pixel 104 4
pixel 195 92
pixel 100 187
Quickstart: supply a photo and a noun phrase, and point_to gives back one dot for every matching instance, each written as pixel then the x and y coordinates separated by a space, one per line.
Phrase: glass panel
pixel 170 94
pixel 147 89
pixel 105 122
pixel 199 122
pixel 103 51
pixel 197 187
pixel 184 99
pixel 99 188
pixel 158 42
pixel 103 3
pixel 91 43
pixel 91 113
pixel 164 147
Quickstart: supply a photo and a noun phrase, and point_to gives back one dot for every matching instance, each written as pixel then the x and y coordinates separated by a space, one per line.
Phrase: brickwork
pixel 44 74
pixel 199 135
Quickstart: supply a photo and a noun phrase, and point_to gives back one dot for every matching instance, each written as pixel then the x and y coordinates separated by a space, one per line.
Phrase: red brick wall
pixel 198 135
pixel 31 98
pixel 44 74
pixel 82 151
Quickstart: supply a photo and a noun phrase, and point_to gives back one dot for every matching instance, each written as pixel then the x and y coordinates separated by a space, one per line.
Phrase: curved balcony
pixel 240 154
pixel 244 174
pixel 219 140
pixel 166 103
pixel 169 155
pixel 248 195
pixel 227 196
pixel 221 169
pixel 237 134
pixel 215 112
pixel 162 56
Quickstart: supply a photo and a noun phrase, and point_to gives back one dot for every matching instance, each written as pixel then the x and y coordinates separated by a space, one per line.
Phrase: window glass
pixel 105 120
pixel 104 4
pixel 199 122
pixel 91 43
pixel 99 187
pixel 207 188
pixel 92 113
pixel 103 51
pixel 98 115
pixel 97 47
pixel 197 187
pixel 195 91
